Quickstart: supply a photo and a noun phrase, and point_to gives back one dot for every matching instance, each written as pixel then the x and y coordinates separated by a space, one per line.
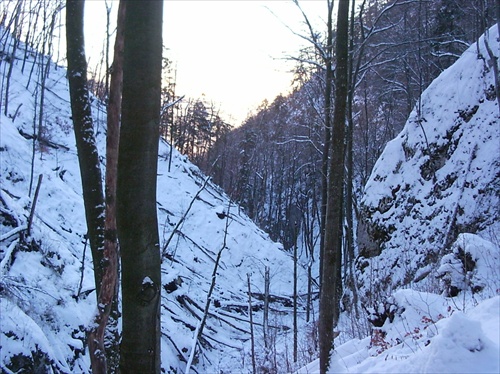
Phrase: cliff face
pixel 438 178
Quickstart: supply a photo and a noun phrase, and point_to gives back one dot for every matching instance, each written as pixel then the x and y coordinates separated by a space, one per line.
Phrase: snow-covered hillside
pixel 429 265
pixel 46 282
pixel 438 178
pixel 426 333
pixel 428 270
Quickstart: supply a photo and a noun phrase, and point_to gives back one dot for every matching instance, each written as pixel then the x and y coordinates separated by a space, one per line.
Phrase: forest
pixel 360 202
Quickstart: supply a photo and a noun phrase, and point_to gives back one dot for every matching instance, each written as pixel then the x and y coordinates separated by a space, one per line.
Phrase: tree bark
pixel 108 301
pixel 331 288
pixel 88 157
pixel 328 136
pixel 137 220
pixel 250 315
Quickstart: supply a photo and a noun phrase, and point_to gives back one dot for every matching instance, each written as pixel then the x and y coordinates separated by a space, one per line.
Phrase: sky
pixel 231 52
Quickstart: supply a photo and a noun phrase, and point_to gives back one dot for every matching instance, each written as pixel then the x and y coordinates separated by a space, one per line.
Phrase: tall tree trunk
pixel 349 208
pixel 108 301
pixel 137 220
pixel 15 43
pixel 250 314
pixel 328 136
pixel 332 282
pixel 88 157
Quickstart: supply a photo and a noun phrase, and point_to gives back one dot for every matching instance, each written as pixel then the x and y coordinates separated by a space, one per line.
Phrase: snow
pixel 438 178
pixel 47 296
pixel 434 295
pixel 47 285
pixel 471 265
pixel 429 334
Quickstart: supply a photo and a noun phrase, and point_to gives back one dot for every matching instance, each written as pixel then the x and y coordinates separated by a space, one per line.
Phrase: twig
pixel 8 253
pixel 83 268
pixel 35 198
pixel 201 248
pixel 179 352
pixel 176 228
pixel 207 179
pixel 12 232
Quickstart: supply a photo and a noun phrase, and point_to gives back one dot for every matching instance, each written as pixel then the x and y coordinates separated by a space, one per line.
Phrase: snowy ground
pixel 428 334
pixel 440 172
pixel 47 293
pixel 46 283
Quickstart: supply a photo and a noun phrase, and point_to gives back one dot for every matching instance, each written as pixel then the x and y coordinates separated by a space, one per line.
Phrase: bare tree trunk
pixel 295 296
pixel 328 135
pixel 13 56
pixel 45 70
pixel 349 208
pixel 108 301
pixel 84 134
pixel 201 325
pixel 250 314
pixel 332 282
pixel 33 205
pixel 265 321
pixel 137 220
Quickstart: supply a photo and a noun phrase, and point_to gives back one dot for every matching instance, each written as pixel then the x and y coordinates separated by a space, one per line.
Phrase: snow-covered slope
pixel 429 265
pixel 440 177
pixel 426 333
pixel 47 293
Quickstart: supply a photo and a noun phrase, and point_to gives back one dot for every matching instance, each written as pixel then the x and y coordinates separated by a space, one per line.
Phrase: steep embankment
pixel 440 177
pixel 46 282
pixel 429 264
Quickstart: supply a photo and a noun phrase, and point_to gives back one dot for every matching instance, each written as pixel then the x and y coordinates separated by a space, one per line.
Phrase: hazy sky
pixel 231 51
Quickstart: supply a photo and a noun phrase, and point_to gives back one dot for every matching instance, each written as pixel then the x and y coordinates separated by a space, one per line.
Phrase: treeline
pixel 272 164
pixel 277 165
pixel 193 126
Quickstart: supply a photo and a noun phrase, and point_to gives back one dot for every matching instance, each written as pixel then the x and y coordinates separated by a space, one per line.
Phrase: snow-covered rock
pixel 426 333
pixel 438 178
pixel 472 266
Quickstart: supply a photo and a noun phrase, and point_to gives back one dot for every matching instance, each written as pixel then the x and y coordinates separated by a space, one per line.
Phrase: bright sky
pixel 231 51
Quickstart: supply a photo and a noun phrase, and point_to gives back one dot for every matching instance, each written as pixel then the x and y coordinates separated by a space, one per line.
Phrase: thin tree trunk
pixel 265 320
pixel 201 325
pixel 295 296
pixel 108 301
pixel 250 314
pixel 137 220
pixel 45 70
pixel 33 206
pixel 332 283
pixel 84 135
pixel 349 209
pixel 13 57
pixel 328 136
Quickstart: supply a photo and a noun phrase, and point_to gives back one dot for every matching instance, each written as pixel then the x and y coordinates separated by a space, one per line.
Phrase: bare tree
pixel 137 220
pixel 88 157
pixel 331 288
pixel 108 302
